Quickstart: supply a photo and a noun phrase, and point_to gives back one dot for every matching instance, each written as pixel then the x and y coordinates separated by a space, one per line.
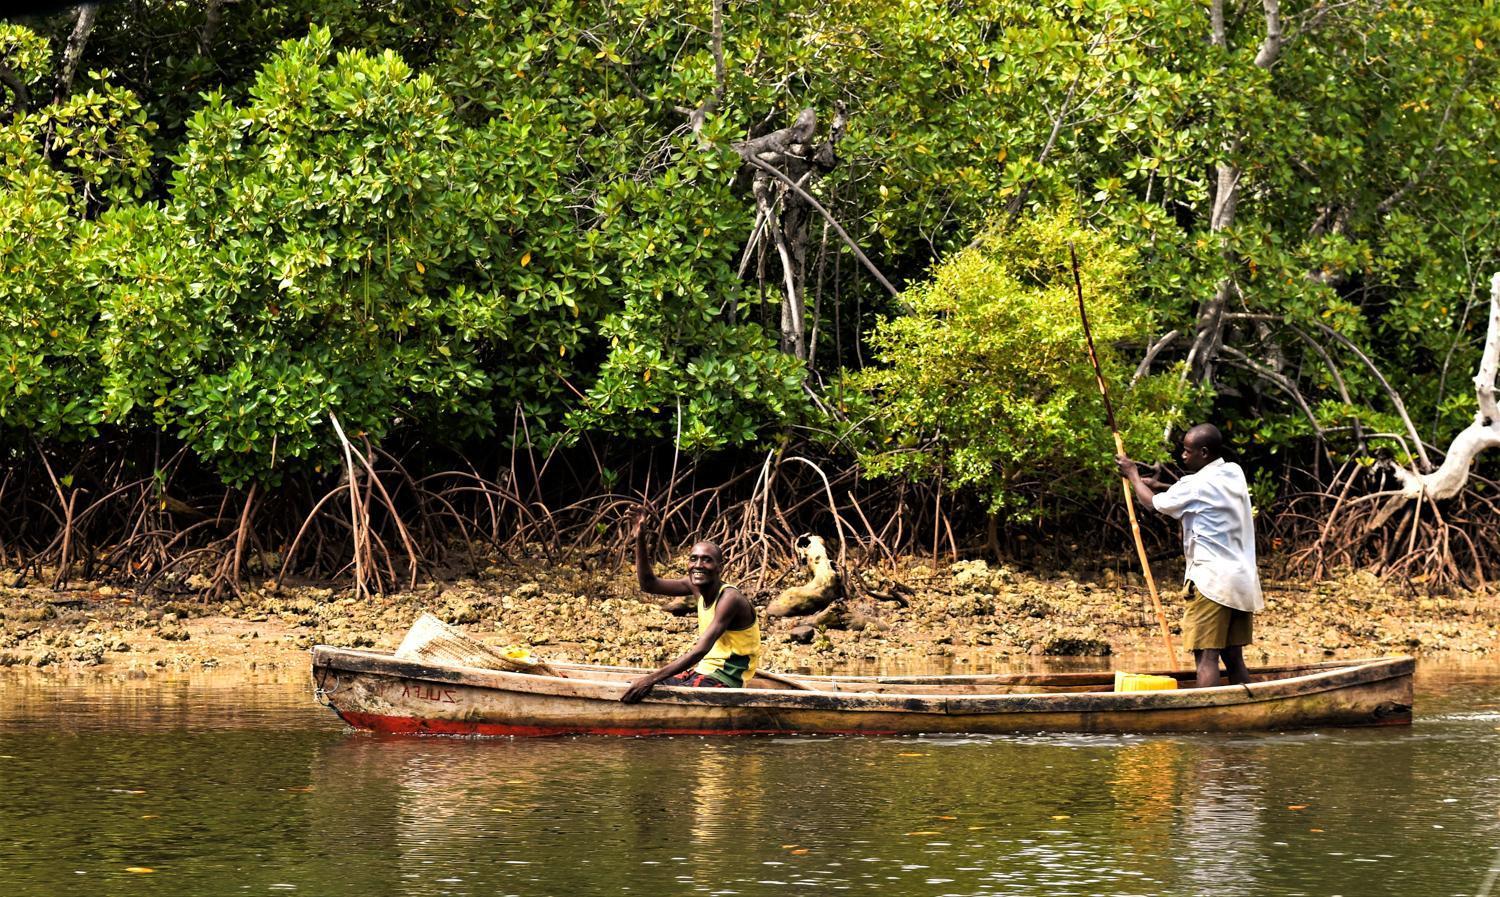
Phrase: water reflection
pixel 1144 790
pixel 1220 837
pixel 254 790
pixel 560 811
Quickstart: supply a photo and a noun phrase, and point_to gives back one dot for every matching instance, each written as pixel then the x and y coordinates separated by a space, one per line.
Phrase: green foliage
pixel 48 363
pixel 49 315
pixel 435 215
pixel 311 260
pixel 26 54
pixel 987 380
pixel 343 242
pixel 645 262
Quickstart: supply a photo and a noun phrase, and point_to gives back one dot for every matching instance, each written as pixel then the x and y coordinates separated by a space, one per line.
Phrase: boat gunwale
pixel 1327 676
pixel 1067 678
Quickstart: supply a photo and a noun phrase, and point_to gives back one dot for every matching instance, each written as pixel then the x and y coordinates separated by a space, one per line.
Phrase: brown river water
pixel 211 787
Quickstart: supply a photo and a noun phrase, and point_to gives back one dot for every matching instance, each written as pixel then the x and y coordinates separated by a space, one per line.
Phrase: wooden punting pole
pixel 1109 413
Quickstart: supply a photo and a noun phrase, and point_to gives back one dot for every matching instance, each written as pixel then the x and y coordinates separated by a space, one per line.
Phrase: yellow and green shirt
pixel 734 658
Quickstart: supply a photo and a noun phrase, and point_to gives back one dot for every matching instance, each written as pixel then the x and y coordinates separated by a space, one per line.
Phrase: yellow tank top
pixel 734 658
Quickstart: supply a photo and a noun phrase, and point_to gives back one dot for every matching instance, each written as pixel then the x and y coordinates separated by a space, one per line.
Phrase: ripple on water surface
pixel 232 788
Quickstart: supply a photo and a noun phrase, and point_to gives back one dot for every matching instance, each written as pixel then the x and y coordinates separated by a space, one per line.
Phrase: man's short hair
pixel 718 552
pixel 1208 438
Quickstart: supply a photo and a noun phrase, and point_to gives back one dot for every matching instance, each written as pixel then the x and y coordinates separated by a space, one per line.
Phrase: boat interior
pixel 999 683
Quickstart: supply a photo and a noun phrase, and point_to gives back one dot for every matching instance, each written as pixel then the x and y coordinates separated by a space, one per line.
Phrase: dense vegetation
pixel 252 255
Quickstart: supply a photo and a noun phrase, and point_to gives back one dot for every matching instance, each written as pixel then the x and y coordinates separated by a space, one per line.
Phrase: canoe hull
pixel 378 693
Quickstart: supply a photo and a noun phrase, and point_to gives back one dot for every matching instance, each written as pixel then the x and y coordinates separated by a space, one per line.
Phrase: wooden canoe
pixel 375 691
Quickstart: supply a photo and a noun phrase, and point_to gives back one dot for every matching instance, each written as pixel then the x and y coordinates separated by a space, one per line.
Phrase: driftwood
pixel 1413 523
pixel 1482 434
pixel 823 589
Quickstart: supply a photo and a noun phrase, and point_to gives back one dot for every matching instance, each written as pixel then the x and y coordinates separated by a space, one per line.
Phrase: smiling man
pixel 1218 538
pixel 728 647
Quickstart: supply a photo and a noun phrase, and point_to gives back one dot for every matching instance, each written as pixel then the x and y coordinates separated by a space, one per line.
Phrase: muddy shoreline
pixel 964 616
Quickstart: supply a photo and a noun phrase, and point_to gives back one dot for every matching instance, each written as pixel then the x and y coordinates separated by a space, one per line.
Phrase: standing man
pixel 728 648
pixel 1218 538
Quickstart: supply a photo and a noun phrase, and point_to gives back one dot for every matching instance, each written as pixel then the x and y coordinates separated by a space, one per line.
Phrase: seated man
pixel 728 647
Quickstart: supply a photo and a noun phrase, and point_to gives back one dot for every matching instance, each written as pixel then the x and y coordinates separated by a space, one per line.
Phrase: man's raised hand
pixel 636 520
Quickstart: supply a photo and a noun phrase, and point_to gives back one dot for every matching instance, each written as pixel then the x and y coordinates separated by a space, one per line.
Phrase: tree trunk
pixel 19 98
pixel 83 24
pixel 1209 331
pixel 213 16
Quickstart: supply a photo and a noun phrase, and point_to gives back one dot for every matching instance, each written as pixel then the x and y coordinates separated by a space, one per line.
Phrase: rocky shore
pixel 965 616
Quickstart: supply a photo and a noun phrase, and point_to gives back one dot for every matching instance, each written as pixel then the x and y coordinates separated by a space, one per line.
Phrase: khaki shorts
pixel 1207 624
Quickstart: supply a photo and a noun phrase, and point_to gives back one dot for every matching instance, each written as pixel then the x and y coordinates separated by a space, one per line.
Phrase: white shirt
pixel 1218 534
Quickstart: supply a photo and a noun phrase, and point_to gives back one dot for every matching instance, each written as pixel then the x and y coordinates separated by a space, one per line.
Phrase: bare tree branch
pixel 1395 397
pixel 1438 147
pixel 718 51
pixel 828 216
pixel 697 117
pixel 1281 381
pixel 1019 200
pixel 1338 380
pixel 781 141
pixel 1144 368
pixel 1209 333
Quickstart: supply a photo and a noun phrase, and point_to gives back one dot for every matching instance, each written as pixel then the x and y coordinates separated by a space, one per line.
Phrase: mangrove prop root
pixel 155 521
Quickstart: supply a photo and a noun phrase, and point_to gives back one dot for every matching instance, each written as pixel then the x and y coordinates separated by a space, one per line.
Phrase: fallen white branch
pixel 1482 434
